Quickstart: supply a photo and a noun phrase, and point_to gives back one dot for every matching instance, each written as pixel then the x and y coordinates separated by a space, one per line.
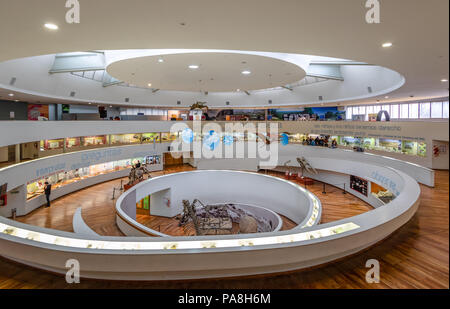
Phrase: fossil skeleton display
pixel 137 174
pixel 219 219
pixel 304 165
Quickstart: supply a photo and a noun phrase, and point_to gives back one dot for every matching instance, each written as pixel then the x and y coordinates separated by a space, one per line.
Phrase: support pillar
pixel 17 153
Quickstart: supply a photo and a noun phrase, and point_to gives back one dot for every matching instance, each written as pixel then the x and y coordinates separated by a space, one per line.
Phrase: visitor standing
pixel 48 191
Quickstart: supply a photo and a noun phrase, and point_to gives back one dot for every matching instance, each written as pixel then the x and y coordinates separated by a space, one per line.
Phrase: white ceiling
pixel 418 29
pixel 217 72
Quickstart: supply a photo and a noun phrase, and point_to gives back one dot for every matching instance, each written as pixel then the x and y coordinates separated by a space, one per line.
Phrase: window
pixel 445 109
pixel 424 110
pixel 436 110
pixel 387 108
pixel 376 109
pixel 362 110
pixel 404 111
pixel 355 110
pixel 414 111
pixel 370 109
pixel 394 111
pixel 349 113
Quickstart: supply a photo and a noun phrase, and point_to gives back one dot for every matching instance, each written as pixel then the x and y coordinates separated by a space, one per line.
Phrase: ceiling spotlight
pixel 193 66
pixel 386 97
pixel 444 80
pixel 149 85
pixel 11 94
pixel 238 90
pixel 90 103
pixel 51 26
pixel 160 60
pixel 387 44
pixel 246 72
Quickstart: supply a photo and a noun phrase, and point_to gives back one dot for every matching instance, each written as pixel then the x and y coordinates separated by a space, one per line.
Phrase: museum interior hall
pixel 253 144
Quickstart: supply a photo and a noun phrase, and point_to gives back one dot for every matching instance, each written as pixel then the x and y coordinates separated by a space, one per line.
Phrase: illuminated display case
pixel 126 139
pixel 153 160
pixel 73 142
pixel 391 145
pixel 409 147
pixel 93 140
pixel 168 137
pixel 422 149
pixel 151 138
pixel 296 138
pixel 58 180
pixel 52 144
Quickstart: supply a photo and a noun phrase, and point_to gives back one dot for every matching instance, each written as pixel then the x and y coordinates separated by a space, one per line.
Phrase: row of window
pixel 427 110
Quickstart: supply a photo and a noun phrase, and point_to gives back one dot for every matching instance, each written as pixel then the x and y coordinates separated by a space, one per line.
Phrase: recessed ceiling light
pixel 160 60
pixel 238 90
pixel 444 80
pixel 16 100
pixel 90 103
pixel 11 94
pixel 387 44
pixel 386 97
pixel 149 85
pixel 193 66
pixel 51 26
pixel 246 72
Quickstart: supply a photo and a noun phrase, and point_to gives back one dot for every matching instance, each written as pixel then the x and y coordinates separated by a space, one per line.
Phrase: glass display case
pixel 52 144
pixel 422 149
pixel 350 141
pixel 58 180
pixel 168 137
pixel 93 140
pixel 409 147
pixel 72 142
pixel 296 138
pixel 125 139
pixel 391 145
pixel 152 160
pixel 151 138
pixel 368 143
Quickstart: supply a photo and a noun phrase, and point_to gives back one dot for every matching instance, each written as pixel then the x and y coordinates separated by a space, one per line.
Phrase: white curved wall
pixel 216 187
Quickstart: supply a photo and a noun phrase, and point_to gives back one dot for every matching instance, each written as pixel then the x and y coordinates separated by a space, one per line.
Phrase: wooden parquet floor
pixel 415 256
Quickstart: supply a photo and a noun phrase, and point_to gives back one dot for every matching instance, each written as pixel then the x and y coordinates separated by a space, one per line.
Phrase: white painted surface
pixel 80 227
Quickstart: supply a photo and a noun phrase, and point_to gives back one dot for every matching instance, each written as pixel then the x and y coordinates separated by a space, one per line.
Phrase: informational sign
pixel 37 111
pixel 197 115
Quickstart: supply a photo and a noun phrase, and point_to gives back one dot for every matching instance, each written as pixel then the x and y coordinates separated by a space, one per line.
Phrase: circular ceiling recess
pixel 206 72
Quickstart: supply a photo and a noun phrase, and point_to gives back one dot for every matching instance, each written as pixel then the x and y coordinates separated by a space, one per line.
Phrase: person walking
pixel 48 191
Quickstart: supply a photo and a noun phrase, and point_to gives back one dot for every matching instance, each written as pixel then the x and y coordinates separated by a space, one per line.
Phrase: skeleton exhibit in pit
pixel 218 219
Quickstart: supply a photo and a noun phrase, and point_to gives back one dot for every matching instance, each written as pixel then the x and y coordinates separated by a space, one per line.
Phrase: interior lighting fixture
pixel 387 44
pixel 193 66
pixel 51 26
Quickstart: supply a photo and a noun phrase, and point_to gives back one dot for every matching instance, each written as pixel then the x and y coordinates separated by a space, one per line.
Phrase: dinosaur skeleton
pixel 304 164
pixel 137 174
